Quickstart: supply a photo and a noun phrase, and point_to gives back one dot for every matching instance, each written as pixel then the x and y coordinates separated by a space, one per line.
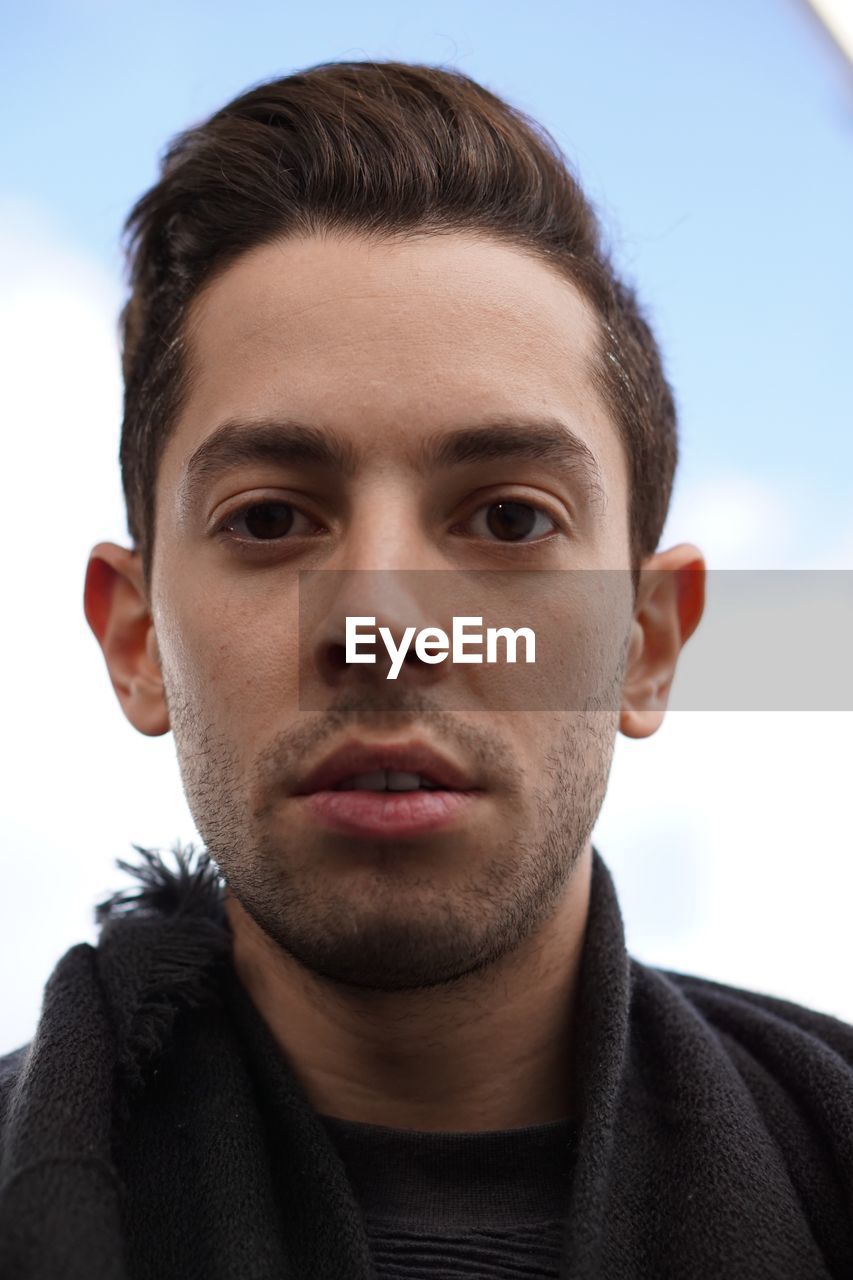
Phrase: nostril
pixel 336 657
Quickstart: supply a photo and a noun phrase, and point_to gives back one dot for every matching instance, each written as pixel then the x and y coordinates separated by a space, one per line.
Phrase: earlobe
pixel 670 601
pixel 634 723
pixel 644 693
pixel 116 608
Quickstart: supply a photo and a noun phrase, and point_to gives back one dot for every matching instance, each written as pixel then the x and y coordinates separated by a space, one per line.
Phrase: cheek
pixel 581 627
pixel 234 658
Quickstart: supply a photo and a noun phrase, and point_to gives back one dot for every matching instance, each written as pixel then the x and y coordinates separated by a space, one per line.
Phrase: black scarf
pixel 715 1130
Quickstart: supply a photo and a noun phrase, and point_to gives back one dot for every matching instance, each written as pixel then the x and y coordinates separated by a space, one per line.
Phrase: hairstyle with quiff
pixel 380 149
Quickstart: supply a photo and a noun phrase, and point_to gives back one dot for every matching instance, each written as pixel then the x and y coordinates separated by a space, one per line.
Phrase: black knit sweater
pixel 153 1130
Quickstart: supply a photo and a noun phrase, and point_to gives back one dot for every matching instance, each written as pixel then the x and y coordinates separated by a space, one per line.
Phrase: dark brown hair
pixel 382 148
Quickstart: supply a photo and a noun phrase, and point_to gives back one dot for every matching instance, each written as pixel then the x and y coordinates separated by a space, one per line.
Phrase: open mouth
pixel 389 780
pixel 388 791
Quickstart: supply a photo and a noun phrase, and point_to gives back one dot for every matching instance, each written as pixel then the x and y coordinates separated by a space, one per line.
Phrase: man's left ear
pixel 669 605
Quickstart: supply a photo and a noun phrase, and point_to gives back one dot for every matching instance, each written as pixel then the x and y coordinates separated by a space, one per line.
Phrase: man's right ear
pixel 116 606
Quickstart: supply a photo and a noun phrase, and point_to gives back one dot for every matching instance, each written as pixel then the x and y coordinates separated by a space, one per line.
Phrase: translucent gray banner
pixel 770 640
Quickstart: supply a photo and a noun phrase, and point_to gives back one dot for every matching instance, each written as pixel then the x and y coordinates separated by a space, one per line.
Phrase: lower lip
pixel 393 815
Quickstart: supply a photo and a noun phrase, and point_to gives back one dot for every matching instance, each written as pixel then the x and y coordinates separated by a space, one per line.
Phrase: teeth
pixel 399 781
pixel 366 782
pixel 386 780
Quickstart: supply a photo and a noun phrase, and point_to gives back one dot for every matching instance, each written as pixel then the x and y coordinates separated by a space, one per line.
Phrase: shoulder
pixel 786 1055
pixel 753 1091
pixel 755 1015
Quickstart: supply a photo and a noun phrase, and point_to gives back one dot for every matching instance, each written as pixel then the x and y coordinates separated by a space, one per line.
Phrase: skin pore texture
pixel 427 983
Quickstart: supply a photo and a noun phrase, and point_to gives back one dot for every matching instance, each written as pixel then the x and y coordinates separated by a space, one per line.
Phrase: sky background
pixel 715 141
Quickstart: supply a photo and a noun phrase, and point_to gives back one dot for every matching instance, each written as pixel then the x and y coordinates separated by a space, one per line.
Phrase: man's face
pixel 385 347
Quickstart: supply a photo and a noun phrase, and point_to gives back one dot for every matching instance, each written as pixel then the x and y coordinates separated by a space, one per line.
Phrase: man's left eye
pixel 513 520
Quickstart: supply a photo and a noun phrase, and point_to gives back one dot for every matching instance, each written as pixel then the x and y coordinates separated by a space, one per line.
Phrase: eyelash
pixel 223 527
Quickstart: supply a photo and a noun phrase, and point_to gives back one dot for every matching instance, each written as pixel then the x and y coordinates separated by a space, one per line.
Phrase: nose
pixel 388 571
pixel 398 599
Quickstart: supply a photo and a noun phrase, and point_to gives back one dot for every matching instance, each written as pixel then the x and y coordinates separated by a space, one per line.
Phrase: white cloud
pixel 744 521
pixel 728 834
pixel 737 520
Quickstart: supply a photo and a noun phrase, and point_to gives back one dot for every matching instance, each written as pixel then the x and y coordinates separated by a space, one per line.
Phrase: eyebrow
pixel 287 442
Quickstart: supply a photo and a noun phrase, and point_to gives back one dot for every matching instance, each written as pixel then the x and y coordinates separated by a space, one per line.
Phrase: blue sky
pixel 715 139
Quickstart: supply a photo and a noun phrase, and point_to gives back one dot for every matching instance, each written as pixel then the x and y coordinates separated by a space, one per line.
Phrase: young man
pixel 386 1024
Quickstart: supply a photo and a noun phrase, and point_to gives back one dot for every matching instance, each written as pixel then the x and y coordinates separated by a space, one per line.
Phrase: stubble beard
pixel 402 930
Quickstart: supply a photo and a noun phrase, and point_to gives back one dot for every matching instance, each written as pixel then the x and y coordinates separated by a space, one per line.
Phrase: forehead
pixel 385 340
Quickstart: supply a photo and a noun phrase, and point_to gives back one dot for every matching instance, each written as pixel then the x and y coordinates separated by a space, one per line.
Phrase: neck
pixel 491 1051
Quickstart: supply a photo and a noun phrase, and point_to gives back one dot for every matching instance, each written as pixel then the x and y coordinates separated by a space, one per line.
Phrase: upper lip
pixel 364 757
